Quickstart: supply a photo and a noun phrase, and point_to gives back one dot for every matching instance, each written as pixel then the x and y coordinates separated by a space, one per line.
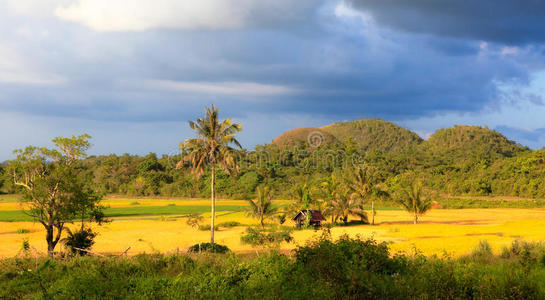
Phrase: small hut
pixel 315 216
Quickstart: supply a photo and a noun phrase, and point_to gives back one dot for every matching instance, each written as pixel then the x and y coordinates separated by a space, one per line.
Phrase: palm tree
pixel 344 205
pixel 211 148
pixel 414 201
pixel 328 192
pixel 262 207
pixel 364 185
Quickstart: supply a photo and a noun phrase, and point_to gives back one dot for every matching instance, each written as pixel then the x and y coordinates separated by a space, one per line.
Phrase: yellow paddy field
pixel 454 232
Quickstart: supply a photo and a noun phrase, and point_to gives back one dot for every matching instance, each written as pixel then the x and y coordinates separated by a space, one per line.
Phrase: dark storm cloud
pixel 502 21
pixel 330 67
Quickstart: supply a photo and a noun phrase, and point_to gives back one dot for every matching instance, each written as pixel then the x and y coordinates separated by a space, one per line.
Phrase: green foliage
pixel 229 224
pixel 262 207
pixel 208 247
pixel 414 198
pixel 207 227
pixel 463 160
pixel 375 134
pixel 80 241
pixel 323 269
pixel 54 186
pixel 266 237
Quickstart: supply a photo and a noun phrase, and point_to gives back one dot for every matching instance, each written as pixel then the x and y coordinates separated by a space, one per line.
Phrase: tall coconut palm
pixel 262 207
pixel 211 148
pixel 414 200
pixel 364 184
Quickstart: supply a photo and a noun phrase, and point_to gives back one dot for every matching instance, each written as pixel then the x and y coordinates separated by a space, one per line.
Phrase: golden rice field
pixel 452 232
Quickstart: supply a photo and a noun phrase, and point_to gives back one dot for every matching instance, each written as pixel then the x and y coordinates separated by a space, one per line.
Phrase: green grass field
pixel 115 212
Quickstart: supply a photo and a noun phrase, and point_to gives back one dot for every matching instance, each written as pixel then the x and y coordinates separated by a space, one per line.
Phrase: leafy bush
pixel 265 237
pixel 207 227
pixel 80 241
pixel 229 224
pixel 348 268
pixel 208 247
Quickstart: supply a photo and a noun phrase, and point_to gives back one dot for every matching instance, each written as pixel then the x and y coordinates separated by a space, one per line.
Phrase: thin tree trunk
pixel 373 212
pixel 213 192
pixel 415 219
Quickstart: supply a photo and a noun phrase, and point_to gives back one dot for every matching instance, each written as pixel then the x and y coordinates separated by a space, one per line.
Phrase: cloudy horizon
pixel 131 74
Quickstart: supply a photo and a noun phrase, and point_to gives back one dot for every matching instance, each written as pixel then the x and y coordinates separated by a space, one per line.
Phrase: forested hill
pixel 375 134
pixel 463 160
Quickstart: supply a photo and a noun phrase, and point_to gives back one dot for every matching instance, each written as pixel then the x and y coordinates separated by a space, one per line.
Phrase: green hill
pixel 304 136
pixel 463 142
pixel 375 134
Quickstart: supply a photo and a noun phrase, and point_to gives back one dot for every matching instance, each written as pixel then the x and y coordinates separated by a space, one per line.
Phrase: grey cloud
pixel 502 21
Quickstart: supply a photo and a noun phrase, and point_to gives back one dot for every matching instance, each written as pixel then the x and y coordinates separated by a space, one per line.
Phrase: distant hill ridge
pixel 376 134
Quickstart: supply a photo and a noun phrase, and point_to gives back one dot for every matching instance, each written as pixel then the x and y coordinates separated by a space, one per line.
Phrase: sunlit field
pixel 159 225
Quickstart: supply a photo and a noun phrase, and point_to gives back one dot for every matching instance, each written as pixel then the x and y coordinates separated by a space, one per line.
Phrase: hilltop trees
pixel 211 148
pixel 54 192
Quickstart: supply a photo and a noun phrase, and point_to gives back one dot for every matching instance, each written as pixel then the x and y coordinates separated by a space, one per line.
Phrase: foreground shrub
pixel 348 268
pixel 208 247
pixel 265 237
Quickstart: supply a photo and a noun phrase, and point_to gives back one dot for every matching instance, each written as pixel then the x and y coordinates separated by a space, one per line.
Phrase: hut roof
pixel 315 215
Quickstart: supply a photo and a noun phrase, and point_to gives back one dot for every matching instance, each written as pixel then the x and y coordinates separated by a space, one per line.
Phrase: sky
pixel 132 73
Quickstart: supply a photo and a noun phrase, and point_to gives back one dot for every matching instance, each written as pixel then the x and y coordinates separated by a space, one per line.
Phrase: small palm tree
pixel 344 205
pixel 328 192
pixel 211 148
pixel 414 201
pixel 262 207
pixel 364 184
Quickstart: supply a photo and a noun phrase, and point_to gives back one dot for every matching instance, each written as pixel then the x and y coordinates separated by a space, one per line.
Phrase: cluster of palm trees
pixel 339 196
pixel 343 194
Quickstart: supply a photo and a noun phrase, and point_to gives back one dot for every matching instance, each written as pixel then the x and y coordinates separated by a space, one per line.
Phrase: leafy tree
pixel 54 192
pixel 211 147
pixel 262 207
pixel 364 184
pixel 415 200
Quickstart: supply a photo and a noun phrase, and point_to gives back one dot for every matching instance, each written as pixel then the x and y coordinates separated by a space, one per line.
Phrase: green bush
pixel 347 268
pixel 207 227
pixel 79 242
pixel 265 237
pixel 208 247
pixel 229 224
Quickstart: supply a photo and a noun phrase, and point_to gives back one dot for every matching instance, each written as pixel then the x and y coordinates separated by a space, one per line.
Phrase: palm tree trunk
pixel 415 218
pixel 373 212
pixel 213 196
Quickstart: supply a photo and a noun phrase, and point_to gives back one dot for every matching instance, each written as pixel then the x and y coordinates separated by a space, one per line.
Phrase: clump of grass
pixel 171 204
pixel 229 224
pixel 22 231
pixel 207 227
pixel 135 203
